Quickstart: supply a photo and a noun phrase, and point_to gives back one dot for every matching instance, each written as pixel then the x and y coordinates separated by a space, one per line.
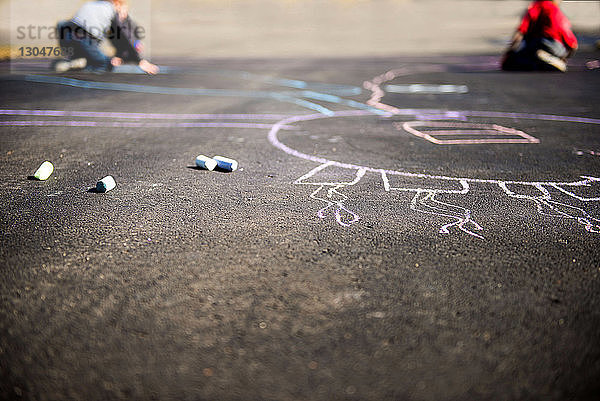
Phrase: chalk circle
pixel 430 191
pixel 499 146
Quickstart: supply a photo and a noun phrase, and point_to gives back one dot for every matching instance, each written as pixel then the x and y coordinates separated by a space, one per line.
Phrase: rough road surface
pixel 381 240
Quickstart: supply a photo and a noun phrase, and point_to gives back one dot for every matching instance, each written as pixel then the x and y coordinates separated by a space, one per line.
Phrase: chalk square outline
pixel 487 129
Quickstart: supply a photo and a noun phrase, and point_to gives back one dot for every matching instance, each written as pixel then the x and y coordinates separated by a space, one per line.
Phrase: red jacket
pixel 544 19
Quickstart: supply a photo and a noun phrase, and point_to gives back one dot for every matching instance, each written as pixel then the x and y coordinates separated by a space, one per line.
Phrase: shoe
pixel 66 65
pixel 552 60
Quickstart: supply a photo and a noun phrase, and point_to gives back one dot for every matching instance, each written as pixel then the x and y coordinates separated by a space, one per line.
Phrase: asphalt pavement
pixel 410 228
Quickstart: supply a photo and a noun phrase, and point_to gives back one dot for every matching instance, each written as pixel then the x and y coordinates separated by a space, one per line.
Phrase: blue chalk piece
pixel 206 162
pixel 225 163
pixel 106 184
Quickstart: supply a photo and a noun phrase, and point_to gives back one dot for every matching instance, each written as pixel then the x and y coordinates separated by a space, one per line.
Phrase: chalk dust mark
pixel 428 187
pixel 581 152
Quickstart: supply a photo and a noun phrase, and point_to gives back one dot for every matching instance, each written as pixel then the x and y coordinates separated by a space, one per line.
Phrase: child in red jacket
pixel 543 41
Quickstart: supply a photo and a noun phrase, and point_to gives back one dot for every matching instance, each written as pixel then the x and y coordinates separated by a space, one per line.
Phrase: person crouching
pixel 543 41
pixel 81 37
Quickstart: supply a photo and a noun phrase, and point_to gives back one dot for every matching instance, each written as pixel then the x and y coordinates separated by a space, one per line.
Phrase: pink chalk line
pixel 377 93
pixel 466 130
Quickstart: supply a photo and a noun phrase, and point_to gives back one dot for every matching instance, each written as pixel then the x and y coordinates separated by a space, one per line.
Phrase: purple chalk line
pixel 436 114
pixel 274 140
pixel 139 116
pixel 136 124
pixel 548 117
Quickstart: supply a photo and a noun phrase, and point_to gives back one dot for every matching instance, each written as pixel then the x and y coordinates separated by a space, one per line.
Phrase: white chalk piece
pixel 206 162
pixel 225 163
pixel 106 184
pixel 44 171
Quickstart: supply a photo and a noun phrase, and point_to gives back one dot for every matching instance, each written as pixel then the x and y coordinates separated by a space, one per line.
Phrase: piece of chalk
pixel 206 162
pixel 225 163
pixel 44 171
pixel 106 184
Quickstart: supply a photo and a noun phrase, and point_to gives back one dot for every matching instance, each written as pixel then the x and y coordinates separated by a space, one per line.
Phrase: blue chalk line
pixel 284 97
pixel 161 90
pixel 341 90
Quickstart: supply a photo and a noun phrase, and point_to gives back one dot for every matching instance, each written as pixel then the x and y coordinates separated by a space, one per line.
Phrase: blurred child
pixel 94 21
pixel 543 41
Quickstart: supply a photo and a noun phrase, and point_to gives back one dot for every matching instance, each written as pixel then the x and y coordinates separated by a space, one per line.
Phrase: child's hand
pixel 148 67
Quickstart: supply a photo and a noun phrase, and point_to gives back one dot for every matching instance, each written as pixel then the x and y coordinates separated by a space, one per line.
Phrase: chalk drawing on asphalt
pixel 329 192
pixel 427 89
pixel 433 199
pixel 459 133
pixel 552 199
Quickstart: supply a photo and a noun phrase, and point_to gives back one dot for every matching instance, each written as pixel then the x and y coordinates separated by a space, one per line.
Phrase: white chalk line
pixel 377 94
pixel 425 200
pixel 375 84
pixel 333 188
pixel 462 215
pixel 427 89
